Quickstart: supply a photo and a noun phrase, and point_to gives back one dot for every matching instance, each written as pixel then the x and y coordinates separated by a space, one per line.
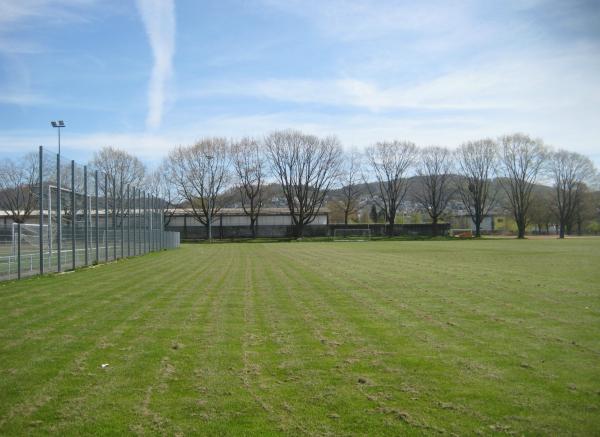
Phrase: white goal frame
pixel 457 232
pixel 352 234
pixel 27 236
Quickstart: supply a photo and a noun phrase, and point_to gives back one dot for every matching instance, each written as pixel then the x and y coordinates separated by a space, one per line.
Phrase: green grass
pixel 380 338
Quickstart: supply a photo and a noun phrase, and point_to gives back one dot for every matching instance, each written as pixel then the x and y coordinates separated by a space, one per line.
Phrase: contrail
pixel 159 20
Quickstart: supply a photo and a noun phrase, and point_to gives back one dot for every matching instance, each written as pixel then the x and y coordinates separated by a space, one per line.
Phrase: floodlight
pixel 58 124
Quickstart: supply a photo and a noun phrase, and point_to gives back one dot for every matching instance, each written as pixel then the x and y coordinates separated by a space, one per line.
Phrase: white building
pixel 227 217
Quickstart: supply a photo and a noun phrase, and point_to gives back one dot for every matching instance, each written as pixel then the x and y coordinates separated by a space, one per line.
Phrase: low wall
pixel 192 233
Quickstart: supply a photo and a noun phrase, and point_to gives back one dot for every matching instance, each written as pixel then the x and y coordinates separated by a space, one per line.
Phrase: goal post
pixel 30 237
pixel 461 233
pixel 351 234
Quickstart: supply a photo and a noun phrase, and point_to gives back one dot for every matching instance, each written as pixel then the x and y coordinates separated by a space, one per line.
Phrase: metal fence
pixel 80 217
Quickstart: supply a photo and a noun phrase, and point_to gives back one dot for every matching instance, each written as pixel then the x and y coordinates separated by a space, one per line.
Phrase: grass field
pixel 381 338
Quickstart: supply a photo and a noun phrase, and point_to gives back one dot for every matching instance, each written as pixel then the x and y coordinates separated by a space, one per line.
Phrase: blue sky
pixel 149 75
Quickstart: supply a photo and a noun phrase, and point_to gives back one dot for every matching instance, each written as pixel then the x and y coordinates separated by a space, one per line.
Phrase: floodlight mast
pixel 58 124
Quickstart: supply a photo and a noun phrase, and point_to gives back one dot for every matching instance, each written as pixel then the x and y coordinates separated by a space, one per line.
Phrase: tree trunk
pixel 391 221
pixel 298 230
pixel 346 217
pixel 521 230
pixel 477 224
pixel 434 226
pixel 562 230
pixel 253 226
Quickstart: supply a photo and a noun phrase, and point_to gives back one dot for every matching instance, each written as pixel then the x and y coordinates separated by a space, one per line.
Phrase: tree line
pixel 307 168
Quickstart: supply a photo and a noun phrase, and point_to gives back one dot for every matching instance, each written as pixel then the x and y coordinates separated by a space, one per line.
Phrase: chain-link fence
pixel 65 215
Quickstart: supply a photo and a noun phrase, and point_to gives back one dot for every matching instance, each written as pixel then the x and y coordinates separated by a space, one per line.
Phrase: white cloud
pixel 22 99
pixel 527 83
pixel 12 12
pixel 358 130
pixel 25 14
pixel 351 20
pixel 159 20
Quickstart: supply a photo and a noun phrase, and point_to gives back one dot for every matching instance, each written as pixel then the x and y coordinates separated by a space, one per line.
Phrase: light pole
pixel 58 124
pixel 210 186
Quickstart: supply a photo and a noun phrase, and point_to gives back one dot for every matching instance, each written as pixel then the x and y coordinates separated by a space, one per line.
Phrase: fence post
pixel 142 226
pixel 41 208
pixel 105 217
pixel 145 222
pixel 149 202
pixel 142 223
pixel 137 222
pixel 73 213
pixel 121 221
pixel 158 221
pixel 134 225
pixel 114 218
pixel 150 224
pixel 153 227
pixel 85 213
pixel 128 222
pixel 97 220
pixel 18 250
pixel 58 215
pixel 145 226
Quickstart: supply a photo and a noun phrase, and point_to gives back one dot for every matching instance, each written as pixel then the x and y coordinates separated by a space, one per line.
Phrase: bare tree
pixel 120 166
pixel 585 211
pixel 200 174
pixel 434 168
pixel 522 160
pixel 390 162
pixel 476 162
pixel 18 182
pixel 349 180
pixel 123 169
pixel 160 186
pixel 250 168
pixel 569 171
pixel 306 167
pixel 540 213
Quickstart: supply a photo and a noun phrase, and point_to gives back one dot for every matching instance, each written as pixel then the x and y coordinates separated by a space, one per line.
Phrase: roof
pixel 188 211
pixel 240 211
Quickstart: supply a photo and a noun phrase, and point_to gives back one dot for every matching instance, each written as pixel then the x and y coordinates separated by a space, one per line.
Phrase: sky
pixel 148 75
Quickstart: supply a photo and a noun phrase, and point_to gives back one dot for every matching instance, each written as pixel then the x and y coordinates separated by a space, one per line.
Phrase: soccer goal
pixel 30 237
pixel 363 234
pixel 461 233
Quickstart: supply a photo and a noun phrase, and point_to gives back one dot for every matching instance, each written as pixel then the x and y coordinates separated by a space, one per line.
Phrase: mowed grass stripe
pixel 107 303
pixel 378 362
pixel 381 338
pixel 143 357
pixel 50 304
pixel 485 303
pixel 102 329
pixel 502 352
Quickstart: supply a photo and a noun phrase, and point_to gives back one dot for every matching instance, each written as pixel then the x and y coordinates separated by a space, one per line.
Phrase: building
pixel 235 223
pixel 462 220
